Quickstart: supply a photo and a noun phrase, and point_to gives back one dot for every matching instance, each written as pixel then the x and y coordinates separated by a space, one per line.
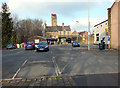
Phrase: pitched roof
pixel 81 33
pixel 101 23
pixel 75 32
pixel 51 28
pixel 67 28
pixel 57 28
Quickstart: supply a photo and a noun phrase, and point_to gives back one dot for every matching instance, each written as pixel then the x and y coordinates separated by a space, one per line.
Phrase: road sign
pixel 106 29
pixel 36 40
pixel 108 38
pixel 106 33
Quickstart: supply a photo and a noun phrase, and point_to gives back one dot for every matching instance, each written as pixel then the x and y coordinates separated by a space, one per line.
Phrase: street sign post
pixel 108 39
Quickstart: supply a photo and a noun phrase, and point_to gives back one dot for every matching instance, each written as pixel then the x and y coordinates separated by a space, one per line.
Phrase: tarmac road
pixel 61 60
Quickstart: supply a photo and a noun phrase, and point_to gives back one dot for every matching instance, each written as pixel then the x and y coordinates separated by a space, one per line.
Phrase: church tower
pixel 54 19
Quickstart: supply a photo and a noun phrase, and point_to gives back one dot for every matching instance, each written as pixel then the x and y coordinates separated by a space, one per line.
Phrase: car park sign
pixel 36 40
pixel 108 39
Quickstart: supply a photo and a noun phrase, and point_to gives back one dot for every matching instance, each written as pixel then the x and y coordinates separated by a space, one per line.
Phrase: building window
pixel 97 34
pixel 68 33
pixel 97 27
pixel 64 32
pixel 97 39
pixel 106 23
pixel 60 32
pixel 101 25
pixel 52 33
pixel 56 34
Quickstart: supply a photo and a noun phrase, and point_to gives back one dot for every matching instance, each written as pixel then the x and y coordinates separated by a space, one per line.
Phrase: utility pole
pixel 88 25
pixel 77 34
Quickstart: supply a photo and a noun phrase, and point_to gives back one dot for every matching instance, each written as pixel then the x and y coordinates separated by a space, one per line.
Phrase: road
pixel 61 60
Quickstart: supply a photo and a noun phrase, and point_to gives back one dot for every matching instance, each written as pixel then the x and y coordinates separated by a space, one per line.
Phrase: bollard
pixel 100 46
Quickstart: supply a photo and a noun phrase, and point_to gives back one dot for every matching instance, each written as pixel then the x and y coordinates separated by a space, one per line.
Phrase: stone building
pixel 114 24
pixel 54 19
pixel 75 33
pixel 57 32
pixel 83 34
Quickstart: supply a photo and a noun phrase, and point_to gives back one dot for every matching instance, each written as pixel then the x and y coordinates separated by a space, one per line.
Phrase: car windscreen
pixel 29 43
pixel 75 42
pixel 10 45
pixel 42 43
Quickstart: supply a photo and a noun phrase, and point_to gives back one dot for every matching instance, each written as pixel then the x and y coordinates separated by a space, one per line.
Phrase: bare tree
pixel 28 28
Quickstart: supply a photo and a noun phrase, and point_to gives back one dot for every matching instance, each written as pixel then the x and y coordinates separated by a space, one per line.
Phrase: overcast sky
pixel 68 11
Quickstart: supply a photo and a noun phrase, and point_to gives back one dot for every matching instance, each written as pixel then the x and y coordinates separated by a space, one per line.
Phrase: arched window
pixel 64 32
pixel 68 33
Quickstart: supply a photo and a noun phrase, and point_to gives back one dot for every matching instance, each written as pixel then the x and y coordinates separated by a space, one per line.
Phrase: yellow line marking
pixel 17 81
pixel 23 80
pixel 28 80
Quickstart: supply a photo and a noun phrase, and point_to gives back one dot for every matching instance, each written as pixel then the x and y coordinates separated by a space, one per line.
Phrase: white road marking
pixel 71 59
pixel 57 71
pixel 19 69
pixel 57 68
pixel 65 67
pixel 39 61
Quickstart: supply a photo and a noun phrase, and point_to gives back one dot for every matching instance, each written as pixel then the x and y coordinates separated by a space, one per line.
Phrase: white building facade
pixel 100 33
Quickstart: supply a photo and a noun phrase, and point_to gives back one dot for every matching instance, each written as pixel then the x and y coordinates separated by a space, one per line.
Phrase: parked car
pixel 42 46
pixel 30 46
pixel 11 46
pixel 76 44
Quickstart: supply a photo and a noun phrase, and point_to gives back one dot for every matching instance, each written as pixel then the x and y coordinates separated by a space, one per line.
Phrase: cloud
pixel 68 0
pixel 66 10
pixel 42 8
pixel 82 23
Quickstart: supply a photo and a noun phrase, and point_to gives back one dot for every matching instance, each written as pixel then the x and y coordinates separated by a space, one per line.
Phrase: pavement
pixel 91 67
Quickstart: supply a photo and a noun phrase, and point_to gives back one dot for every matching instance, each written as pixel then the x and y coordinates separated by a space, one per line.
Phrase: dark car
pixel 11 46
pixel 30 46
pixel 42 46
pixel 76 44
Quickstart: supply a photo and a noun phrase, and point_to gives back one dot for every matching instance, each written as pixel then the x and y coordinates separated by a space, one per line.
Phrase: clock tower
pixel 54 19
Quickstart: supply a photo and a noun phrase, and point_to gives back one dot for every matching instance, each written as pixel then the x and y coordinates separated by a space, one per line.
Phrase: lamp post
pixel 77 34
pixel 12 36
pixel 88 25
pixel 43 29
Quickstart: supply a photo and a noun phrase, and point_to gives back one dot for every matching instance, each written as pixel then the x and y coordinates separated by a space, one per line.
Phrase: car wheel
pixel 37 50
